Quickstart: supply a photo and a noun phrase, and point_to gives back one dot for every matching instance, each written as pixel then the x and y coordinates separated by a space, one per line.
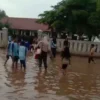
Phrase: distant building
pixel 25 26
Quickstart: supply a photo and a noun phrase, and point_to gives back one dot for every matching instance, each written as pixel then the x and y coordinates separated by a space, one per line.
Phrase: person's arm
pixel 39 44
pixel 8 47
pixel 54 44
pixel 18 49
pixel 12 48
pixel 25 52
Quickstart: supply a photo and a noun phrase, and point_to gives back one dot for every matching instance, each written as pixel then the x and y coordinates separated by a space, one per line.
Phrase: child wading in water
pixel 92 51
pixel 22 55
pixel 65 58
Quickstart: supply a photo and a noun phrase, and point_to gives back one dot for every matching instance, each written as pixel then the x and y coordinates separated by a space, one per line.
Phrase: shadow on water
pixel 82 81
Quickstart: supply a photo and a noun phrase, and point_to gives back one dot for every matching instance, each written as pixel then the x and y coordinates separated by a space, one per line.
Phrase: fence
pixel 4 37
pixel 79 47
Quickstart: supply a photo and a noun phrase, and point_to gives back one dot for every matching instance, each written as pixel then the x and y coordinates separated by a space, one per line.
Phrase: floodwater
pixel 82 81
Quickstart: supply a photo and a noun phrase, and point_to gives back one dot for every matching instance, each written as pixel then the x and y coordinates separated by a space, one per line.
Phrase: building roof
pixel 25 24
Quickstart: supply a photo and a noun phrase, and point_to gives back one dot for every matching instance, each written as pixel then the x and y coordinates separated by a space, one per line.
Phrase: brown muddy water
pixel 82 81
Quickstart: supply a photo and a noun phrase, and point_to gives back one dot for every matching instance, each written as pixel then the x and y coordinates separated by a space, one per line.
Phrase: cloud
pixel 26 8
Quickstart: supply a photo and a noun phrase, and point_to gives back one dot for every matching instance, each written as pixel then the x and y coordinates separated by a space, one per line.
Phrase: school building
pixel 25 26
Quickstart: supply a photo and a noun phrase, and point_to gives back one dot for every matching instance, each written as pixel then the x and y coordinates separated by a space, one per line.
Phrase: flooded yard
pixel 82 81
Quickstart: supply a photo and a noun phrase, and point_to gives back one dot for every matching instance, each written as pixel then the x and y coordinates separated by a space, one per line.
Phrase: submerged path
pixel 82 81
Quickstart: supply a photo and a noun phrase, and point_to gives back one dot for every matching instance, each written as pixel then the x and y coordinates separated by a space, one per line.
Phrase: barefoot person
pixel 22 55
pixel 44 46
pixel 65 58
pixel 15 53
pixel 53 47
pixel 66 42
pixel 9 52
pixel 92 51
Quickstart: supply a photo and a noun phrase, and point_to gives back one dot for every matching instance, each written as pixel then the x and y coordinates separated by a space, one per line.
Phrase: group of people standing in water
pixel 18 50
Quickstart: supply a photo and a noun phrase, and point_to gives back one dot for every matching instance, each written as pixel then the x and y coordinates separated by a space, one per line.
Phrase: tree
pixel 2 14
pixel 74 16
pixel 98 5
pixel 48 17
pixel 94 21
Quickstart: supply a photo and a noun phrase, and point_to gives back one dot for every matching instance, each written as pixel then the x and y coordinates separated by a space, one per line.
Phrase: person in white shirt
pixel 45 47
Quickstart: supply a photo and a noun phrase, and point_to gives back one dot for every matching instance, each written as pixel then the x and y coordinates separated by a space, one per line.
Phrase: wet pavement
pixel 82 81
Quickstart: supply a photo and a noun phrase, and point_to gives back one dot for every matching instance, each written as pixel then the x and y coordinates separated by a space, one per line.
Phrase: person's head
pixel 92 45
pixel 15 40
pixel 66 39
pixel 22 43
pixel 45 39
pixel 10 40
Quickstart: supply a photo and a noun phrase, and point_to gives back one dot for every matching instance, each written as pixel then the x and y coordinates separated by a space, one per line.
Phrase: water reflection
pixel 16 78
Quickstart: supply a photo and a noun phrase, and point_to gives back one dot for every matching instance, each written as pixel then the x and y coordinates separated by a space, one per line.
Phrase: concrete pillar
pixel 24 33
pixel 75 46
pixel 21 32
pixel 80 45
pixel 5 36
pixel 0 39
pixel 58 36
pixel 40 34
pixel 84 47
pixel 89 46
pixel 30 33
pixel 98 48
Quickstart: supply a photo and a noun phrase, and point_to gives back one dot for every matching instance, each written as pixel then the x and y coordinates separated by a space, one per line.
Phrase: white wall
pixel 79 47
pixel 4 37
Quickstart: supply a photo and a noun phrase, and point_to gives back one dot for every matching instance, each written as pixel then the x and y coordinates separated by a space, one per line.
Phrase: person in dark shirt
pixel 66 43
pixel 27 45
pixel 15 53
pixel 53 47
pixel 65 58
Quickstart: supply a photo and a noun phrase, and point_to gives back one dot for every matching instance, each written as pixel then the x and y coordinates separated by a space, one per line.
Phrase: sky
pixel 26 8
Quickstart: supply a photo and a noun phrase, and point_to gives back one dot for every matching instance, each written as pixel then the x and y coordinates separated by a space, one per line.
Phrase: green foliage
pixel 98 5
pixel 2 15
pixel 94 19
pixel 77 16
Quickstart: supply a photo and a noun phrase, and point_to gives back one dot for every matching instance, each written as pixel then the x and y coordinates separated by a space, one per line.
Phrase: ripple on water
pixel 80 82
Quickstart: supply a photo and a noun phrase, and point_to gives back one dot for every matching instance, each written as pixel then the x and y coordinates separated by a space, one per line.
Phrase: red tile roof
pixel 25 24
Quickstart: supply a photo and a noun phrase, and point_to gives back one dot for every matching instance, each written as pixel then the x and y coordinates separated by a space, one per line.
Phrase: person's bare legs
pixel 6 61
pixel 21 66
pixel 92 59
pixel 40 63
pixel 13 63
pixel 16 64
pixel 45 62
